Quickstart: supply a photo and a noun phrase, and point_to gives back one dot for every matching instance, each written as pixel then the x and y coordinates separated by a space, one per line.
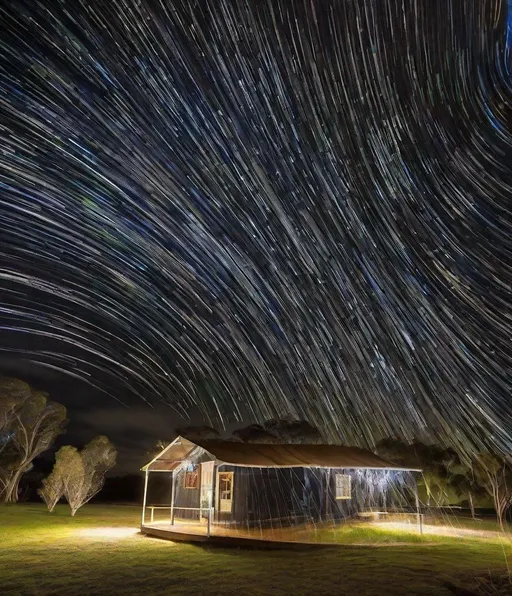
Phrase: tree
pixel 284 430
pixel 255 433
pixel 290 430
pixel 437 463
pixel 33 424
pixel 13 393
pixel 83 472
pixel 197 433
pixel 52 489
pixel 465 484
pixel 157 448
pixel 494 473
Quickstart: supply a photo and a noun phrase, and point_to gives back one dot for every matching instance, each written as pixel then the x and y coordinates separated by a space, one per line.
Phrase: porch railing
pixel 208 514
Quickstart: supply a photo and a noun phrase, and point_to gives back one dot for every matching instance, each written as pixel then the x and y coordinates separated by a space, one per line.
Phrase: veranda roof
pixel 263 455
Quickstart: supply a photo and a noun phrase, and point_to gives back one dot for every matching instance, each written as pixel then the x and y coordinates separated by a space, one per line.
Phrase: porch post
pixel 211 513
pixel 172 497
pixel 145 495
pixel 327 487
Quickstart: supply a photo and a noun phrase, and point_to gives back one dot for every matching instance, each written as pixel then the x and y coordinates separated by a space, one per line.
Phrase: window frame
pixel 347 486
pixel 188 474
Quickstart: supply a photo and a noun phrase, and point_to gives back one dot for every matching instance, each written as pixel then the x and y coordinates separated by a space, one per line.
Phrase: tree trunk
pixel 499 516
pixel 428 495
pixel 471 505
pixel 10 494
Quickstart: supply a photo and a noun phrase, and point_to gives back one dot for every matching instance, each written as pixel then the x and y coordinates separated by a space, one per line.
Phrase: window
pixel 343 486
pixel 191 480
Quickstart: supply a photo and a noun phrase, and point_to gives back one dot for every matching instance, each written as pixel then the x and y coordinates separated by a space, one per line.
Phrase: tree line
pixel 444 470
pixel 29 424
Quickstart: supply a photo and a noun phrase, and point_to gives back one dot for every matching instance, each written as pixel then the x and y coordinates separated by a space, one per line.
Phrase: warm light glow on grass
pixel 107 533
pixel 441 530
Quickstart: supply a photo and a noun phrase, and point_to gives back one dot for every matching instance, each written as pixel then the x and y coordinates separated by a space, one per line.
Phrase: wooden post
pixel 173 479
pixel 211 513
pixel 145 495
pixel 327 487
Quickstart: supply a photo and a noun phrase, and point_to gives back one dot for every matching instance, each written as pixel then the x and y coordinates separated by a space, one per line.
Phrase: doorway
pixel 225 491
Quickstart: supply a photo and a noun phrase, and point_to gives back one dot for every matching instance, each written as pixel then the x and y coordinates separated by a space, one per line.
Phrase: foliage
pixel 494 473
pixel 255 433
pixel 83 472
pixel 157 448
pixel 52 489
pixel 438 465
pixel 13 393
pixel 30 422
pixel 442 468
pixel 466 484
pixel 283 430
pixel 198 432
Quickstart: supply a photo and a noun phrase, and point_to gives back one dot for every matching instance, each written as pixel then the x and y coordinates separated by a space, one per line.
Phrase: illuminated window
pixel 191 480
pixel 343 486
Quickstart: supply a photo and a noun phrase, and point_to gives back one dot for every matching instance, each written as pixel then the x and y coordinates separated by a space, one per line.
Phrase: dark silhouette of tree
pixel 157 448
pixel 255 433
pixel 289 430
pixel 438 464
pixel 198 432
pixel 284 430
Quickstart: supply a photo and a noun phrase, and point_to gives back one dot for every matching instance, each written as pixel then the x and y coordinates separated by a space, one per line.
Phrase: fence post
pixel 419 515
pixel 208 529
pixel 146 476
pixel 173 481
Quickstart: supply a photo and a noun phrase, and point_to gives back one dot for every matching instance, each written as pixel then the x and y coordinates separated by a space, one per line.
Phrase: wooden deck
pixel 229 536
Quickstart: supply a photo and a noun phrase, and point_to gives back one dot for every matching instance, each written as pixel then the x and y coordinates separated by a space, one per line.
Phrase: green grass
pixel 44 554
pixel 488 523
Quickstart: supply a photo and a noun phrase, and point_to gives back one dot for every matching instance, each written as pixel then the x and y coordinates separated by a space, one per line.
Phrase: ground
pixel 99 552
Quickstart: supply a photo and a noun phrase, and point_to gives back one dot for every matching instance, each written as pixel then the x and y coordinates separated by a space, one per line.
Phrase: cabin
pixel 253 490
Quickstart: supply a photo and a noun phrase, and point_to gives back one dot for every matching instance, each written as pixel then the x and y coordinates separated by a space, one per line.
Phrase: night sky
pixel 245 209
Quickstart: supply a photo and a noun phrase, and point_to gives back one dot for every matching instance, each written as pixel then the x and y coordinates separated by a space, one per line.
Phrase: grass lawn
pixel 99 552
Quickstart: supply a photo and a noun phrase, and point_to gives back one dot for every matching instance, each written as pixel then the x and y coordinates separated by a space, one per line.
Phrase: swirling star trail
pixel 259 207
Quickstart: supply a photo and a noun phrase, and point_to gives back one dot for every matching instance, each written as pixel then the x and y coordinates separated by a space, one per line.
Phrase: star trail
pixel 264 207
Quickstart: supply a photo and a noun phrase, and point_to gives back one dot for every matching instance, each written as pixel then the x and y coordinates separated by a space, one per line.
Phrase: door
pixel 225 491
pixel 206 488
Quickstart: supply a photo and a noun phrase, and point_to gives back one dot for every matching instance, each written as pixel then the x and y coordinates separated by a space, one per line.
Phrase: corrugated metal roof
pixel 263 455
